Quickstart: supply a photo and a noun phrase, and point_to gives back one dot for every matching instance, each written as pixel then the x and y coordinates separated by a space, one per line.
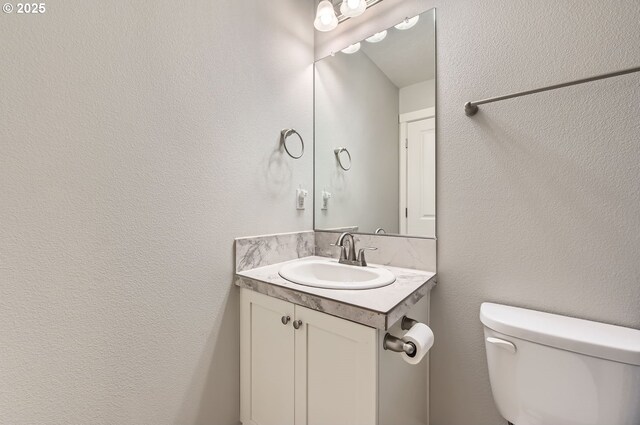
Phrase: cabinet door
pixel 266 360
pixel 336 379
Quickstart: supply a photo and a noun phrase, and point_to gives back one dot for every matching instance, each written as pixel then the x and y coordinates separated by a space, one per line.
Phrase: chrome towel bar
pixel 471 108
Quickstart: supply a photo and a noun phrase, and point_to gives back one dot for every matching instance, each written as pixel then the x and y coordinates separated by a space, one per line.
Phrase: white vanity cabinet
pixel 309 369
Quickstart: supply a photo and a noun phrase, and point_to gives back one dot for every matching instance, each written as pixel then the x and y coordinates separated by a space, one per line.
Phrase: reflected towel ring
pixel 338 151
pixel 283 141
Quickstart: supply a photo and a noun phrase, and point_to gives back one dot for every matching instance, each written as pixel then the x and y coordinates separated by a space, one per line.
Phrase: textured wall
pixel 138 139
pixel 356 106
pixel 538 198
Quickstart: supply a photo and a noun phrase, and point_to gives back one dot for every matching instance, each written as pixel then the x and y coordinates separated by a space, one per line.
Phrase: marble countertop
pixel 379 307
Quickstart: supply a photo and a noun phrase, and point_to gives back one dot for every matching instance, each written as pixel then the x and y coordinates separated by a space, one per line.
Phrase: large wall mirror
pixel 375 146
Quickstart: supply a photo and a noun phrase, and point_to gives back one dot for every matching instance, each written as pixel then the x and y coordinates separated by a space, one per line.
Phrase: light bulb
pixel 378 37
pixel 326 18
pixel 351 49
pixel 408 23
pixel 353 8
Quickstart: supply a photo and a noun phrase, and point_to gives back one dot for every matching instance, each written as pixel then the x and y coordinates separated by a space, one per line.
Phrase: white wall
pixel 133 150
pixel 418 96
pixel 538 198
pixel 356 107
pixel 137 140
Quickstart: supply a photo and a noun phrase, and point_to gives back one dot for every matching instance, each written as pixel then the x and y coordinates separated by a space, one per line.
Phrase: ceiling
pixel 406 57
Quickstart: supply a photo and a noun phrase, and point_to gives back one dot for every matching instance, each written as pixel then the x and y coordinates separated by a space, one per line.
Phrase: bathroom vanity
pixel 303 366
pixel 315 355
pixel 315 318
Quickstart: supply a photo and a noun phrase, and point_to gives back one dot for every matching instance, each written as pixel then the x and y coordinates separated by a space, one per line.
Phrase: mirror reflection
pixel 375 133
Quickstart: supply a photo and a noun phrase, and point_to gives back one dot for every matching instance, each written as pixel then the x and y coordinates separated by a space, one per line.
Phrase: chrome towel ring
pixel 337 152
pixel 284 134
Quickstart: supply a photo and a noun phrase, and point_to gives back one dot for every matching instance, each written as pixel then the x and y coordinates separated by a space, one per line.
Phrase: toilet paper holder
pixel 399 345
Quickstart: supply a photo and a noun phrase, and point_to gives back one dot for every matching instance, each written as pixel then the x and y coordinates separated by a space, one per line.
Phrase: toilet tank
pixel 547 369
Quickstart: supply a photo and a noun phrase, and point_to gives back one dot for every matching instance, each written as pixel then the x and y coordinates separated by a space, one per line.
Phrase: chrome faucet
pixel 349 256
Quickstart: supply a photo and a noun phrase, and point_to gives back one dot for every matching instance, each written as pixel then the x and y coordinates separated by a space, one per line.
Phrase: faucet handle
pixel 361 259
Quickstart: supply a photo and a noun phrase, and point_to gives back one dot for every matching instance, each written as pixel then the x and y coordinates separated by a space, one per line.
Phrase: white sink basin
pixel 332 275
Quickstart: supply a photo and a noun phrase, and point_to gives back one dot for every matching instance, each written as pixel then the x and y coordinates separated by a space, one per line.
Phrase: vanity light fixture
pixel 353 8
pixel 407 23
pixel 377 37
pixel 326 18
pixel 351 49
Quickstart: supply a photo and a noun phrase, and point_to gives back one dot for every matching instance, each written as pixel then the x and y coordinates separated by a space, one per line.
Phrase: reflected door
pixel 420 210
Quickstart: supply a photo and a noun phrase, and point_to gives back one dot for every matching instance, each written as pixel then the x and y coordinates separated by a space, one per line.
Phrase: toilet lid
pixel 595 339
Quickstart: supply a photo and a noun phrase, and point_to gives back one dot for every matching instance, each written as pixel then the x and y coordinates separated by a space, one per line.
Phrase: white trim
pixel 403 178
pixel 418 115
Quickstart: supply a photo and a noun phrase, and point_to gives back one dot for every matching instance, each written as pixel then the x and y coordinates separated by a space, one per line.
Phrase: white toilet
pixel 547 369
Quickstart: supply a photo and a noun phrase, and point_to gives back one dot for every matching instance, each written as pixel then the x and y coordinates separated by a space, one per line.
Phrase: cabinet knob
pixel 285 319
pixel 297 324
